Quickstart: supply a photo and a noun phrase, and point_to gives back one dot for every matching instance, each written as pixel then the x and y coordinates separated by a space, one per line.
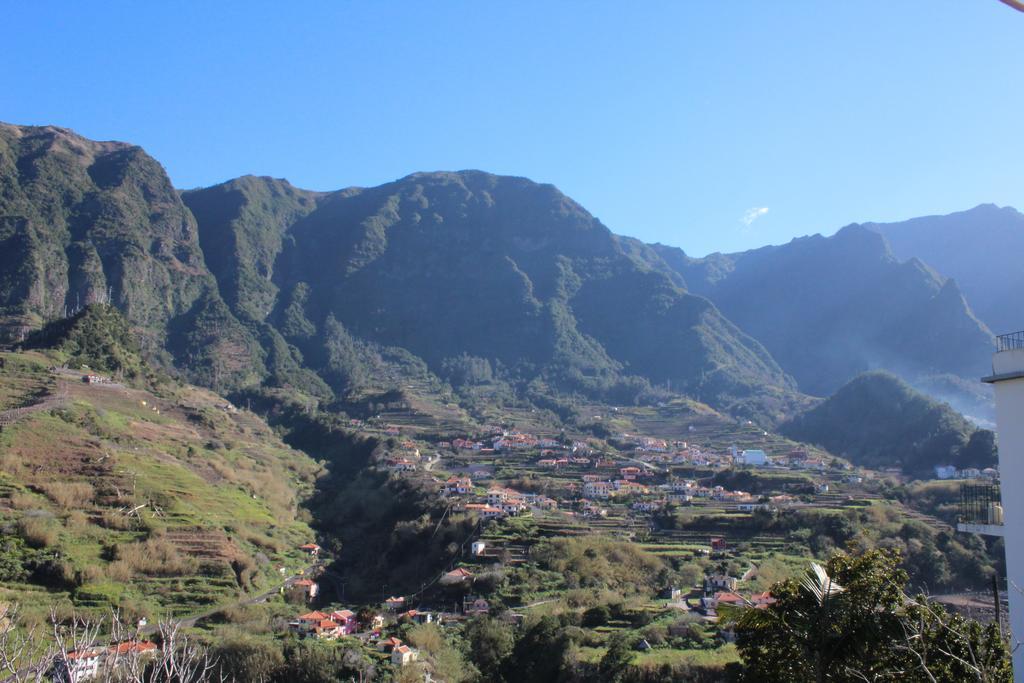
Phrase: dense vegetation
pixel 852 621
pixel 591 313
pixel 878 421
pixel 86 222
pixel 98 338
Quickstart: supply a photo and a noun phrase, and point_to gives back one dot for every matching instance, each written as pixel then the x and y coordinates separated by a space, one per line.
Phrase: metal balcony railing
pixel 1008 342
pixel 980 503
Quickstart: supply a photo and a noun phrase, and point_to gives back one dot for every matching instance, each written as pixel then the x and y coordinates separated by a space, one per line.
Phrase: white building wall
pixel 1010 421
pixel 1010 427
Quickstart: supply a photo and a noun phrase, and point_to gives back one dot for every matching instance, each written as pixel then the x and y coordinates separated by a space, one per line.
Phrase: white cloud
pixel 751 215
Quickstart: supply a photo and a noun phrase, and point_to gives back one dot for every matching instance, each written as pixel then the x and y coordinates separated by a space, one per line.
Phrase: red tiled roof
pixel 313 616
pixel 729 597
pixel 120 650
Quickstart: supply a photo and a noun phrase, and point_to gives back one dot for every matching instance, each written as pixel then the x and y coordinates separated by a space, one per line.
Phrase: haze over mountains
pixel 256 281
pixel 978 248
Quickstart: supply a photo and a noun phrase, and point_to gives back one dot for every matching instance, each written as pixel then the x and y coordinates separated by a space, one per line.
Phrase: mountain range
pixel 255 281
pixel 979 249
pixel 830 308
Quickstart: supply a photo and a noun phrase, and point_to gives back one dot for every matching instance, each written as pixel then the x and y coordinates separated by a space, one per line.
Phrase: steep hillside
pixel 446 265
pixel 830 308
pixel 878 421
pixel 160 501
pixel 84 222
pixel 979 248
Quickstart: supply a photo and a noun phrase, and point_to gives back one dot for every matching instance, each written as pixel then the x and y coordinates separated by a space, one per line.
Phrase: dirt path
pixel 190 621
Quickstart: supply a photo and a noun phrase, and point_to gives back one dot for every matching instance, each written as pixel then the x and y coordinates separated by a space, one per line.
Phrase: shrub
pixel 155 557
pixel 597 616
pixel 77 520
pixel 23 501
pixel 117 521
pixel 38 532
pixel 69 494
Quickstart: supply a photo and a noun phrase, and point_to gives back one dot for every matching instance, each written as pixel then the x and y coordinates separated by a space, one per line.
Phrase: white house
pixel 598 489
pixel 1008 379
pixel 403 654
pixel 754 457
pixel 84 665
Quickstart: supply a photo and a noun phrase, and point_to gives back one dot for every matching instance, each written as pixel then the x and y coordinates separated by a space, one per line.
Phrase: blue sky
pixel 714 126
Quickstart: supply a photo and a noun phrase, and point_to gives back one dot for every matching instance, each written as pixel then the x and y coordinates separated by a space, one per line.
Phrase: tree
pixel 248 659
pixel 980 451
pixel 617 659
pixel 316 662
pixel 851 620
pixel 491 642
pixel 539 654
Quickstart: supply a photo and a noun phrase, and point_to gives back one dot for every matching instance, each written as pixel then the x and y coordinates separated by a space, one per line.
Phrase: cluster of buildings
pixel 325 626
pixel 499 501
pixel 951 472
pixel 88 664
pixel 508 441
pixel 603 490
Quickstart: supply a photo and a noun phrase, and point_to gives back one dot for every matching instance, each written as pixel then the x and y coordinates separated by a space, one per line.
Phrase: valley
pixel 453 426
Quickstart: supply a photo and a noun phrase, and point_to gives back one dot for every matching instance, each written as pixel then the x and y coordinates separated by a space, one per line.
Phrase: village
pixel 620 487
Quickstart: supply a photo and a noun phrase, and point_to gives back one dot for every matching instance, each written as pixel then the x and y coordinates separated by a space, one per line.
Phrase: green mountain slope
pixel 499 268
pixel 157 501
pixel 830 308
pixel 978 248
pixel 878 421
pixel 84 222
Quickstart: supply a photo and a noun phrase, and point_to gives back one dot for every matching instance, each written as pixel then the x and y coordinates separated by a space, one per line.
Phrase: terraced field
pixel 154 503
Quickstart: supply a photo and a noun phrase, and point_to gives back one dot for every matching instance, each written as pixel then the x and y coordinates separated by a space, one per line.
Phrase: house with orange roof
pixel 328 629
pixel 761 600
pixel 82 665
pixel 346 621
pixel 315 623
pixel 418 617
pixel 729 598
pixel 401 465
pixel 311 549
pixel 457 575
pixel 389 644
pixel 403 655
pixel 309 587
pixel 458 485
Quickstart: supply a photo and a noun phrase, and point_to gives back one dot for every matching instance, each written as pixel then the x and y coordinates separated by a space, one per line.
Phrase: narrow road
pixel 190 621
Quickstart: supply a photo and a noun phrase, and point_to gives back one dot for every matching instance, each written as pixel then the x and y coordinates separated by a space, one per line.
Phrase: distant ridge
pixel 829 308
pixel 979 248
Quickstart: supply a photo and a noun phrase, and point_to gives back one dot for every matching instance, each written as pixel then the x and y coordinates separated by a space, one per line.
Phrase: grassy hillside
pixel 152 502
